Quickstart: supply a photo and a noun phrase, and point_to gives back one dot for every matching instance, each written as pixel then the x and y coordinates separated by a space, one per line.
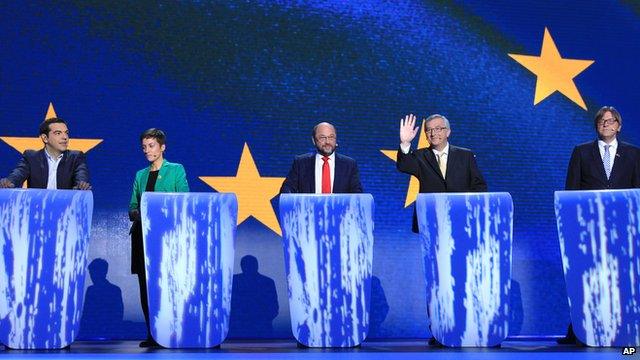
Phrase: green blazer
pixel 172 178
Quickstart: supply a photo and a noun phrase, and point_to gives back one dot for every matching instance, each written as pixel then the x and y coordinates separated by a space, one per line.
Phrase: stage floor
pixel 287 349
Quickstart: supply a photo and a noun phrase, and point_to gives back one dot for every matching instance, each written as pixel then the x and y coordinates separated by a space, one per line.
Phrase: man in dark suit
pixel 604 163
pixel 441 167
pixel 53 167
pixel 324 171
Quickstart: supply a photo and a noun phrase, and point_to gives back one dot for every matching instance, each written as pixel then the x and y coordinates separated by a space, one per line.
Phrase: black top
pixel 151 183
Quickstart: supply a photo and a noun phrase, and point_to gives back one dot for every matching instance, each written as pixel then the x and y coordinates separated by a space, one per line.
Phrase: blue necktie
pixel 606 159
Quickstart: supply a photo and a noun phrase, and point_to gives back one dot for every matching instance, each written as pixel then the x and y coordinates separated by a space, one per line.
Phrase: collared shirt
pixel 52 182
pixel 612 150
pixel 318 172
pixel 442 157
pixel 445 151
pixel 405 150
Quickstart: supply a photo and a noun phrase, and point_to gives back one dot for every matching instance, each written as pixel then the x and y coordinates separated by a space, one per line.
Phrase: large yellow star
pixel 414 185
pixel 554 73
pixel 254 192
pixel 26 143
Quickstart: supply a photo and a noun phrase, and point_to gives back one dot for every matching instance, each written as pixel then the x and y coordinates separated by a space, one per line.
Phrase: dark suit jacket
pixel 586 170
pixel 301 177
pixel 463 174
pixel 34 168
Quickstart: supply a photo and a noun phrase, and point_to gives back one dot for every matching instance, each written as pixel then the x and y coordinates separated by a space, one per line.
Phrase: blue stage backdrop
pixel 238 86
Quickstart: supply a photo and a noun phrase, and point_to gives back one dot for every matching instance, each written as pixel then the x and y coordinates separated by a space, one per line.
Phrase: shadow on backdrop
pixel 516 315
pixel 254 302
pixel 103 307
pixel 378 310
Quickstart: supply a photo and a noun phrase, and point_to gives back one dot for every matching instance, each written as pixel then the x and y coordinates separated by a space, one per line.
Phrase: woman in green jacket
pixel 160 175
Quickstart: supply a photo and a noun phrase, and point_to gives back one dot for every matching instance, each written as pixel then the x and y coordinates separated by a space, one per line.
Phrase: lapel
pixel 595 152
pixel 339 174
pixel 160 181
pixel 144 177
pixel 60 170
pixel 452 160
pixel 617 160
pixel 310 174
pixel 430 157
pixel 44 168
pixel 162 175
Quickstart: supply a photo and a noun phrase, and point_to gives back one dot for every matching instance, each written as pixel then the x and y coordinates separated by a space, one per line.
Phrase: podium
pixel 189 245
pixel 467 241
pixel 328 252
pixel 43 238
pixel 599 233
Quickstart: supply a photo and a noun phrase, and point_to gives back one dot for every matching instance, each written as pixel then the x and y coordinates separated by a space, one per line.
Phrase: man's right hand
pixel 6 184
pixel 408 130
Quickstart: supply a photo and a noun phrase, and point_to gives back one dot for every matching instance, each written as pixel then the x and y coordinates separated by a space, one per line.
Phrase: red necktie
pixel 326 176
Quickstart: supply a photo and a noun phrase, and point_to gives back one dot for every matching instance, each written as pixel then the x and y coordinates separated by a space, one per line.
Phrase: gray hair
pixel 315 128
pixel 604 109
pixel 431 117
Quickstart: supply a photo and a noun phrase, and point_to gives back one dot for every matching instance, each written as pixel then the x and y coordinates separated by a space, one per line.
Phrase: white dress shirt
pixel 52 182
pixel 612 150
pixel 442 157
pixel 318 172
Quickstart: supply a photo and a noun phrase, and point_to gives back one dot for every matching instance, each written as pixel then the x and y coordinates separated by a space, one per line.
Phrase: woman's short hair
pixel 154 133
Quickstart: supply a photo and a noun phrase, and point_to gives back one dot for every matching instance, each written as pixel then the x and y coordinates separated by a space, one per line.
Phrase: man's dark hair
pixel 604 109
pixel 249 264
pixel 44 126
pixel 154 133
pixel 99 267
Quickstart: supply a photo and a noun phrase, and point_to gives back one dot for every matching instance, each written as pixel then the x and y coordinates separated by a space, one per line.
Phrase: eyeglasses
pixel 610 121
pixel 331 138
pixel 435 130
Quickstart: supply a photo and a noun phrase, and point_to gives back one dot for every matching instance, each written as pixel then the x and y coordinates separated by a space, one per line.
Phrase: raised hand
pixel 408 129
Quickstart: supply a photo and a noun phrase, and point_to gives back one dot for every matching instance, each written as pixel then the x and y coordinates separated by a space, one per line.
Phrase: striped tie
pixel 606 159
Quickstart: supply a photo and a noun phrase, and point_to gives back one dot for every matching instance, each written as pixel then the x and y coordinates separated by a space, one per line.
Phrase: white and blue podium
pixel 328 251
pixel 43 238
pixel 599 233
pixel 467 242
pixel 189 245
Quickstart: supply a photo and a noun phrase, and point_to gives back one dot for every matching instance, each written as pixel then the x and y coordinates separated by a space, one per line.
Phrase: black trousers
pixel 144 300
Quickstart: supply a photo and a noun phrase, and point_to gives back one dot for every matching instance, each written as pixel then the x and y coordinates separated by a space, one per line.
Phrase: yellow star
pixel 254 192
pixel 414 184
pixel 26 143
pixel 554 73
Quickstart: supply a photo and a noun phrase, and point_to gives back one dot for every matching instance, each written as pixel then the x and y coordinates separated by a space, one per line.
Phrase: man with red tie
pixel 324 171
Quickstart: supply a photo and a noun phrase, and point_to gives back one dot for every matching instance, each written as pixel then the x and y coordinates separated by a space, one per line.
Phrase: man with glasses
pixel 323 171
pixel 605 163
pixel 441 167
